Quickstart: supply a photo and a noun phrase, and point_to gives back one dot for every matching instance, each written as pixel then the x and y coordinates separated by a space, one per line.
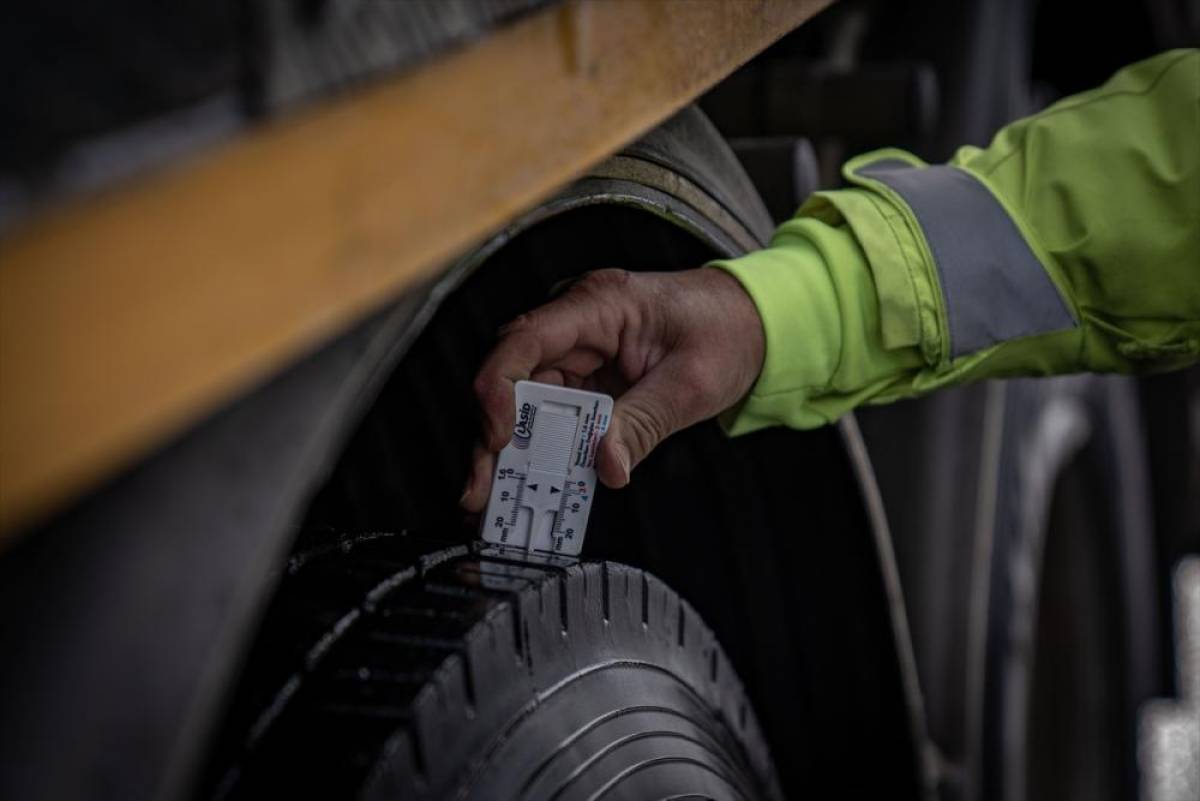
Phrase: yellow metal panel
pixel 127 315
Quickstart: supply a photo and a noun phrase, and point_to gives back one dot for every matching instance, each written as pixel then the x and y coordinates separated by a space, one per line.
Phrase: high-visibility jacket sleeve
pixel 1071 243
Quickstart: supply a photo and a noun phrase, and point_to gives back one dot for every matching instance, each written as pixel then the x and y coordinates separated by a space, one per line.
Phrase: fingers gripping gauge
pixel 545 476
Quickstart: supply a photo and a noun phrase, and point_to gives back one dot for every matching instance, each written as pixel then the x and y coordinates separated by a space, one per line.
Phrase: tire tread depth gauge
pixel 545 476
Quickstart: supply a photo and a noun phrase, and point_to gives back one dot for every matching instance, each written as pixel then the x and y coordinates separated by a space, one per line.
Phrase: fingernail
pixel 623 460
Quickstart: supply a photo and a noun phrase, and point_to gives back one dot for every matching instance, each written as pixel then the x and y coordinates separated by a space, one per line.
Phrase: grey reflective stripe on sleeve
pixel 994 286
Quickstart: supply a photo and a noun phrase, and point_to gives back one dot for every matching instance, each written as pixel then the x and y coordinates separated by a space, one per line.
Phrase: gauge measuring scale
pixel 545 477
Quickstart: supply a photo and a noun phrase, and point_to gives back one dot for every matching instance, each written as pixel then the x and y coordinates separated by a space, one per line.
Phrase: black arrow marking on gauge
pixel 554 490
pixel 533 487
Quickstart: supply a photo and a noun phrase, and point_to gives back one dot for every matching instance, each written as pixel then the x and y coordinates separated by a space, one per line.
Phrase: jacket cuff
pixel 796 299
pixel 909 303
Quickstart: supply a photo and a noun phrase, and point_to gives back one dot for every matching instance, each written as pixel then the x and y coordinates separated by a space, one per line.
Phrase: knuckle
pixel 604 280
pixel 490 391
pixel 698 381
pixel 482 385
pixel 522 322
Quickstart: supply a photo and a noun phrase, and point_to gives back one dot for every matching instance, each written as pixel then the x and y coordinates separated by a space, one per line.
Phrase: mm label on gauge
pixel 546 475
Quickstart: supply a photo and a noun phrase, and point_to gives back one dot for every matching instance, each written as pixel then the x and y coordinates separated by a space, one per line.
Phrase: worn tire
pixel 466 674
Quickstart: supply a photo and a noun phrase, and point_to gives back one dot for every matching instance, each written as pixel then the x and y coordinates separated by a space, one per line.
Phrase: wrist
pixel 798 311
pixel 741 324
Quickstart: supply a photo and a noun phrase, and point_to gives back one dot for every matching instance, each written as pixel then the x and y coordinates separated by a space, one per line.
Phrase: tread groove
pixel 645 600
pixel 563 607
pixel 605 602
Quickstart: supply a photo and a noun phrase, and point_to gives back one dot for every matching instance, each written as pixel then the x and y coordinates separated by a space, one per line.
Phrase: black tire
pixel 1026 549
pixel 467 674
pixel 1073 648
pixel 161 579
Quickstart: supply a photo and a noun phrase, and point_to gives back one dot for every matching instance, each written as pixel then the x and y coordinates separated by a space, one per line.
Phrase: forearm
pixel 1071 243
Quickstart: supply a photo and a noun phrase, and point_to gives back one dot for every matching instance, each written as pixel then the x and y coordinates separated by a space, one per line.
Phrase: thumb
pixel 642 418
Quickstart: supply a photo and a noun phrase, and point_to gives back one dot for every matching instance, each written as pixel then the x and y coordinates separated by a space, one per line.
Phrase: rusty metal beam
pixel 126 315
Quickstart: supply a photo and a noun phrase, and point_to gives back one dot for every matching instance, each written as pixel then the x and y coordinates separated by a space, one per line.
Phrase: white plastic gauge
pixel 546 475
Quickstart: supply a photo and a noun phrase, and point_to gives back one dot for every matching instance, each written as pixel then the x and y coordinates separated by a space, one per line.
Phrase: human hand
pixel 672 348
